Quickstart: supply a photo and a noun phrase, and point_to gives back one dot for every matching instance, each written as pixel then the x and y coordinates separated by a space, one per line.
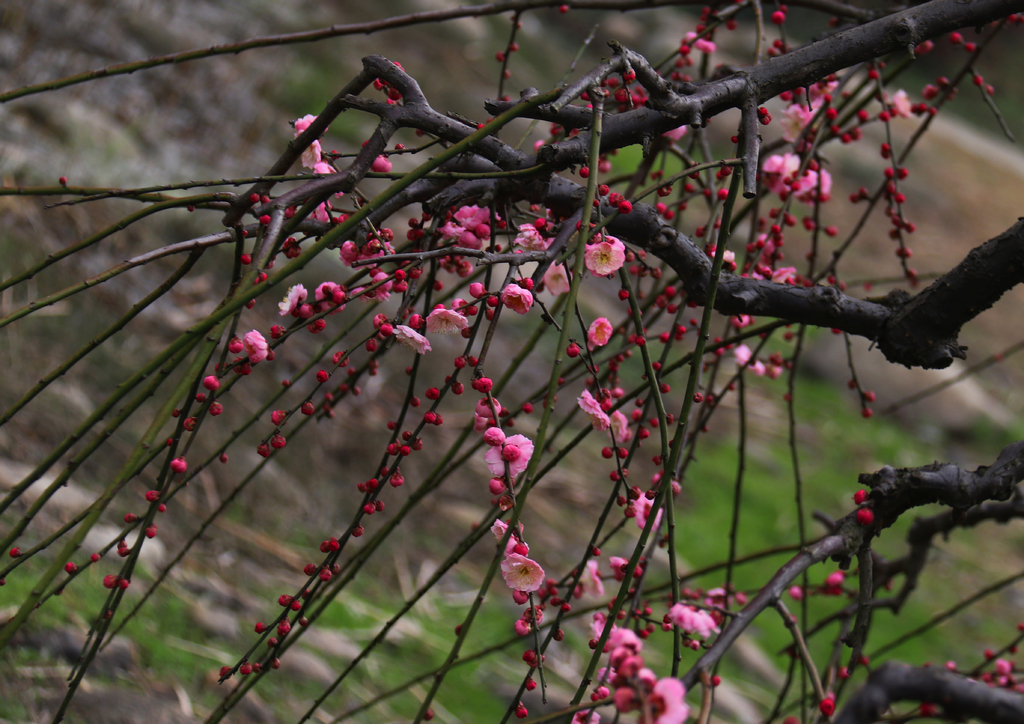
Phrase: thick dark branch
pixel 960 697
pixel 669 109
pixel 929 323
pixel 893 494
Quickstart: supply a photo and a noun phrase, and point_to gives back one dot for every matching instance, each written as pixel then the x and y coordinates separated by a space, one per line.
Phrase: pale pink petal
pixel 600 332
pixel 412 339
pixel 521 573
pixel 598 419
pixel 446 322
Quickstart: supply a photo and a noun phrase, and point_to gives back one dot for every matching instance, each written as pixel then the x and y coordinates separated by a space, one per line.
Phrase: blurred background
pixel 228 117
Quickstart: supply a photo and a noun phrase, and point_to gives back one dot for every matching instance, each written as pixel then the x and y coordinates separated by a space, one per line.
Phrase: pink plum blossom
pixel 293 300
pixel 324 296
pixel 598 625
pixel 692 620
pixel 784 274
pixel 412 339
pixel 498 531
pixel 255 346
pixel 702 44
pixel 665 703
pixel 776 169
pixel 796 593
pixel 620 426
pixel 820 89
pixel 676 133
pixel 521 573
pixel 600 332
pixel 469 227
pixel 484 418
pixel 598 419
pixel 494 436
pixel 517 299
pixel 643 510
pixel 381 164
pixel 743 355
pixel 556 279
pixel 605 257
pixel 617 564
pixel 530 238
pixel 808 189
pixel 446 322
pixel 496 457
pixel 794 120
pixel 380 293
pixel 835 579
pixel 351 253
pixel 311 156
pixel 625 638
pixel 900 104
pixel 591 580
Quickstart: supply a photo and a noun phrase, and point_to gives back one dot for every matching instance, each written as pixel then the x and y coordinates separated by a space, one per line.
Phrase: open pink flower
pixel 665 703
pixel 743 354
pixel 600 332
pixel 517 299
pixel 446 322
pixel 783 275
pixel 469 227
pixel 808 188
pixel 293 300
pixel 620 426
pixel 643 511
pixel 676 133
pixel 530 238
pixel 255 346
pixel 794 119
pixel 900 104
pixel 521 573
pixel 591 580
pixel 412 339
pixel 692 620
pixel 496 457
pixel 592 408
pixel 351 253
pixel 776 169
pixel 380 293
pixel 556 280
pixel 605 257
pixel 311 156
pixel 598 624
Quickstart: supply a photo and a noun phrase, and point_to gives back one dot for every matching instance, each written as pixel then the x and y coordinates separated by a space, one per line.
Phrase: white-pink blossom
pixel 292 300
pixel 900 104
pixel 620 426
pixel 412 339
pixel 794 120
pixel 591 579
pixel 521 573
pixel 598 418
pixel 605 257
pixel 517 299
pixel 446 322
pixel 255 345
pixel 530 238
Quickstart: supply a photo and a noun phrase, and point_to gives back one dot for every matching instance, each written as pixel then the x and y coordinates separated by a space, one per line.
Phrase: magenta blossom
pixel 255 346
pixel 381 164
pixel 470 227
